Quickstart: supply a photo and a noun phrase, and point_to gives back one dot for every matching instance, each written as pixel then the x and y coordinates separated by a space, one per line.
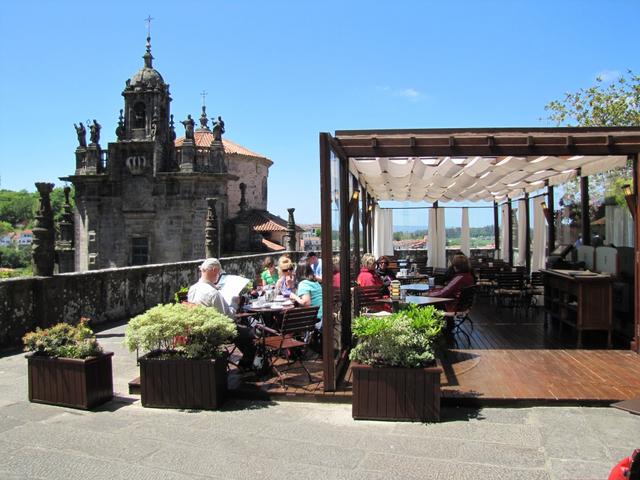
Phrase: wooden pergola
pixel 352 218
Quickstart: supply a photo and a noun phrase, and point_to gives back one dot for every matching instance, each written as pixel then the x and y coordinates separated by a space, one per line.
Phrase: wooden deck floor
pixel 503 359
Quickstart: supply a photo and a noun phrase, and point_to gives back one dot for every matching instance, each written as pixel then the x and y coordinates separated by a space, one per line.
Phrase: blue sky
pixel 279 72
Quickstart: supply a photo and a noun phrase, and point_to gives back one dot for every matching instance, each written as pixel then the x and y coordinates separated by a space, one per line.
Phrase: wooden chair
pixel 510 289
pixel 295 333
pixel 366 298
pixel 461 313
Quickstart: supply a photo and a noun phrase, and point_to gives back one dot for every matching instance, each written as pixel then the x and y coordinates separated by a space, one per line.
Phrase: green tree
pixel 615 104
pixel 17 207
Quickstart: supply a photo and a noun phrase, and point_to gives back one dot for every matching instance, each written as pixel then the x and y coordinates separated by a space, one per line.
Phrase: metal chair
pixel 462 309
pixel 367 298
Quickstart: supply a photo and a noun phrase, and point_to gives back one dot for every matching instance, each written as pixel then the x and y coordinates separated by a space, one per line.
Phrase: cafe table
pixel 415 287
pixel 411 277
pixel 416 300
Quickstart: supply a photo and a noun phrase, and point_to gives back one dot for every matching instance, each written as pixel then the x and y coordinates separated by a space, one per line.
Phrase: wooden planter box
pixel 387 393
pixel 70 382
pixel 183 383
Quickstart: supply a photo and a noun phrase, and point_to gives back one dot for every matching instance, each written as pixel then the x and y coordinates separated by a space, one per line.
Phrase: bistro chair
pixel 510 289
pixel 295 333
pixel 460 315
pixel 367 298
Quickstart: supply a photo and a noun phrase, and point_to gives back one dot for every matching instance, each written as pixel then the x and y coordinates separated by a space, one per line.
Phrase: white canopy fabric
pixel 383 232
pixel 504 229
pixel 443 179
pixel 522 233
pixel 464 235
pixel 539 243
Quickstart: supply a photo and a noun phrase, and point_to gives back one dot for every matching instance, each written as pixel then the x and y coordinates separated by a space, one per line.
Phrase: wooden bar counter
pixel 579 299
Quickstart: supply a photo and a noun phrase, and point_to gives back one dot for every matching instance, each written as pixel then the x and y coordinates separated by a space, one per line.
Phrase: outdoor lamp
pixel 355 195
pixel 630 197
pixel 547 213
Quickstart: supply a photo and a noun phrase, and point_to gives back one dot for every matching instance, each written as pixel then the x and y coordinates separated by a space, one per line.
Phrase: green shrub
pixel 403 339
pixel 63 340
pixel 180 329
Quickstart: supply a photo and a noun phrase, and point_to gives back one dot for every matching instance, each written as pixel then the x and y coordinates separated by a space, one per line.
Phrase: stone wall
pixel 252 171
pixel 102 295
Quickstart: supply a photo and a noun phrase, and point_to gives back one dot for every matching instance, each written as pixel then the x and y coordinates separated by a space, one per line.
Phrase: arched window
pixel 139 115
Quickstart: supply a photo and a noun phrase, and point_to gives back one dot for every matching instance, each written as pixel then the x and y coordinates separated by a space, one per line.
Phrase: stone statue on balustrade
pixel 82 134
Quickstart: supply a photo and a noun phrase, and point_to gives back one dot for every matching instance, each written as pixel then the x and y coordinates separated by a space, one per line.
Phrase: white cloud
pixel 609 75
pixel 408 93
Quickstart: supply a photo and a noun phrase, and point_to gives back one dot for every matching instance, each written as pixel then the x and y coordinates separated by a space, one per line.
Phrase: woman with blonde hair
pixel 367 276
pixel 287 281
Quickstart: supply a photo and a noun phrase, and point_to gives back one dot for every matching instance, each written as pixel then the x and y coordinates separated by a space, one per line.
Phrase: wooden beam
pixel 509 232
pixel 496 227
pixel 326 197
pixel 585 217
pixel 345 251
pixel 551 227
pixel 635 344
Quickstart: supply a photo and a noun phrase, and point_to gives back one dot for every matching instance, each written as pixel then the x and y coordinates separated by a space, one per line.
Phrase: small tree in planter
pixel 396 376
pixel 68 367
pixel 186 366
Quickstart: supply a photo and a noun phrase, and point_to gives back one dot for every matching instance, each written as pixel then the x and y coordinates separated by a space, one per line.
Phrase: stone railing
pixel 102 295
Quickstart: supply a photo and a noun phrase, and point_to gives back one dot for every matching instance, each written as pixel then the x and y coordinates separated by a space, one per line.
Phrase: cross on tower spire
pixel 203 94
pixel 147 56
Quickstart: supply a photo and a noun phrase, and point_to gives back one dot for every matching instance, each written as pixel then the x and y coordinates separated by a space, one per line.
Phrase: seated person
pixel 367 276
pixel 287 281
pixel 309 290
pixel 336 272
pixel 462 278
pixel 385 273
pixel 269 276
pixel 206 293
pixel 316 265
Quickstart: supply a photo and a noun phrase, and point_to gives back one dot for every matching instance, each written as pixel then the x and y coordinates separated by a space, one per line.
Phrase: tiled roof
pixel 274 247
pixel 203 139
pixel 263 221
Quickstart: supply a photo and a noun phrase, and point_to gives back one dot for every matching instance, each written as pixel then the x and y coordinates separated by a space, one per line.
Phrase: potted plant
pixel 186 366
pixel 396 376
pixel 181 295
pixel 68 367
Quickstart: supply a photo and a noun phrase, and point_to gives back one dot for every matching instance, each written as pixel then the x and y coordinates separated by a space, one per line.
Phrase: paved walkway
pixel 296 440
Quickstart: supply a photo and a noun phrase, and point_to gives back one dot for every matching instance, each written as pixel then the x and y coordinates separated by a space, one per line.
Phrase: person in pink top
pixel 368 276
pixel 462 278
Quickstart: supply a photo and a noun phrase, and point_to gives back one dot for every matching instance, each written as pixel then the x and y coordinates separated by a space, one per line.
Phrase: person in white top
pixel 205 293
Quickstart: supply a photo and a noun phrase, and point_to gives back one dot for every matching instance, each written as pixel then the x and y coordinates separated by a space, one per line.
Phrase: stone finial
pixel 43 248
pixel 291 231
pixel 243 200
pixel 172 129
pixel 211 236
pixel 65 251
pixel 204 120
pixel 120 130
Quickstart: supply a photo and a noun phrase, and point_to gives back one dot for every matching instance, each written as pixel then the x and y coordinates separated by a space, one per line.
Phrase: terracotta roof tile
pixel 203 139
pixel 274 247
pixel 263 221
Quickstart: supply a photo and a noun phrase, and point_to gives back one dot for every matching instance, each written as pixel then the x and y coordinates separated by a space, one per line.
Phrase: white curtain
pixel 432 238
pixel 522 233
pixel 383 232
pixel 504 233
pixel 464 237
pixel 618 226
pixel 539 245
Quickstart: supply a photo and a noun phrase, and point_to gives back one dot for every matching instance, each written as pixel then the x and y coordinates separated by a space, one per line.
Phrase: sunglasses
pixel 287 269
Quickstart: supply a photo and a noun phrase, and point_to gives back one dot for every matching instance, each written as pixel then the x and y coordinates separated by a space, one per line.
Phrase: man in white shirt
pixel 205 293
pixel 316 265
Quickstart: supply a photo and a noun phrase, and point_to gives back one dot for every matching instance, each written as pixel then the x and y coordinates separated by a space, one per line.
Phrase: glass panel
pixel 568 213
pixel 611 220
pixel 335 246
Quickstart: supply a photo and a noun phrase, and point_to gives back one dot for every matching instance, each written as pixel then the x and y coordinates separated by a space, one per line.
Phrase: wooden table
pixel 416 287
pixel 411 277
pixel 416 300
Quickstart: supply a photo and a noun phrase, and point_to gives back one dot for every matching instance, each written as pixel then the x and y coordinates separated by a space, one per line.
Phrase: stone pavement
pixel 260 440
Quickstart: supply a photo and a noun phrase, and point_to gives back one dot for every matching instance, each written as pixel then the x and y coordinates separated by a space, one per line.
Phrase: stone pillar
pixel 43 249
pixel 81 160
pixel 211 236
pixel 188 158
pixel 243 200
pixel 65 248
pixel 217 163
pixel 291 232
pixel 92 159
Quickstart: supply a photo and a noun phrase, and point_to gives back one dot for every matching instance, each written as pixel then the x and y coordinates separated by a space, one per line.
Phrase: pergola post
pixel 527 233
pixel 551 232
pixel 354 215
pixel 584 210
pixel 635 344
pixel 496 229
pixel 509 232
pixel 363 207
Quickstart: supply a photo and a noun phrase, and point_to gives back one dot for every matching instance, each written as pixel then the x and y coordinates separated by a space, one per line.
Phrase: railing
pixel 102 295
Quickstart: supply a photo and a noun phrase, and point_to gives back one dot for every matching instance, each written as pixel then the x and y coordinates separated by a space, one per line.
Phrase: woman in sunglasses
pixel 287 281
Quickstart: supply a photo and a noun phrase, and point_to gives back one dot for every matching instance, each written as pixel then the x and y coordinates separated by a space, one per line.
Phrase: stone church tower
pixel 142 200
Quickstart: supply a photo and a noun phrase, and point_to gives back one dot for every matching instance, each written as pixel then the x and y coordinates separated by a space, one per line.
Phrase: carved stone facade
pixel 141 200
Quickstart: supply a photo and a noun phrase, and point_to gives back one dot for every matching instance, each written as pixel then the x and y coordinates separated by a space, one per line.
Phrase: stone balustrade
pixel 108 295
